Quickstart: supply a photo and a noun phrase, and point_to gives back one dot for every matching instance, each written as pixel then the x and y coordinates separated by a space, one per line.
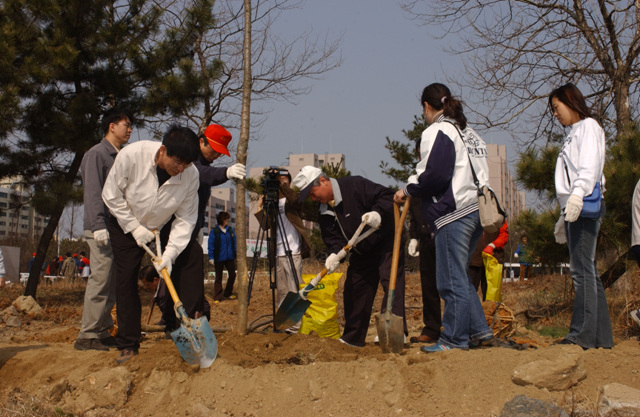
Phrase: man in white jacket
pixel 148 184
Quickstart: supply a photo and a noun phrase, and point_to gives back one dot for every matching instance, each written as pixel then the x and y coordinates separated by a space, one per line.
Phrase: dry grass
pixel 20 404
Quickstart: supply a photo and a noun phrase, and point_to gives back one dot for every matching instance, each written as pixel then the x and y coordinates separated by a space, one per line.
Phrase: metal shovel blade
pixel 290 311
pixel 390 332
pixel 196 342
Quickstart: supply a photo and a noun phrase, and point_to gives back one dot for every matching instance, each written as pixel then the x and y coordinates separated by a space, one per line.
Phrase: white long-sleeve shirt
pixel 583 154
pixel 132 195
pixel 635 216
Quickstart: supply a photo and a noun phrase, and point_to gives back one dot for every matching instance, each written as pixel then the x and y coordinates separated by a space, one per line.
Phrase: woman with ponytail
pixel 445 184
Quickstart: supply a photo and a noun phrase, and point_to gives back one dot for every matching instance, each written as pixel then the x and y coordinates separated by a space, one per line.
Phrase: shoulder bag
pixel 590 203
pixel 491 213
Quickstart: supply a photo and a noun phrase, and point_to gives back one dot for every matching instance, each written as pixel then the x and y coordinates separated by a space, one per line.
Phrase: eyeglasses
pixel 179 164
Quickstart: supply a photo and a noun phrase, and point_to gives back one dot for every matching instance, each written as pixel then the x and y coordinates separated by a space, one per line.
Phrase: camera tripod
pixel 270 228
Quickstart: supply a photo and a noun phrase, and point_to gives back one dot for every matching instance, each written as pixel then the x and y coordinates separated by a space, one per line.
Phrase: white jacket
pixel 583 155
pixel 132 195
pixel 444 180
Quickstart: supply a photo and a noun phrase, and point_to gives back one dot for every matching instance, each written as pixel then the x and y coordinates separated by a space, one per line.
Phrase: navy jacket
pixel 358 196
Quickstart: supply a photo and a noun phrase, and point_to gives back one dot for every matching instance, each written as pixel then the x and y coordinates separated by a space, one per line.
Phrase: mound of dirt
pixel 273 374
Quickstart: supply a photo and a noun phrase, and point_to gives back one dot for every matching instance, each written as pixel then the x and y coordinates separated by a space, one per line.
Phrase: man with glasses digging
pixel 149 183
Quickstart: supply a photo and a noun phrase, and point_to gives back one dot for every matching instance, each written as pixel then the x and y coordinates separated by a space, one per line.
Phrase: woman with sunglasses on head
pixel 578 172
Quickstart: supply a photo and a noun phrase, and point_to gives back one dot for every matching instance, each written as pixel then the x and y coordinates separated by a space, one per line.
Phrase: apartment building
pixel 17 215
pixel 222 199
pixel 502 183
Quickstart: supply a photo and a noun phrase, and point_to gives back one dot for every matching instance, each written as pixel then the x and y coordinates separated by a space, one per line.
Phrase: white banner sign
pixel 252 247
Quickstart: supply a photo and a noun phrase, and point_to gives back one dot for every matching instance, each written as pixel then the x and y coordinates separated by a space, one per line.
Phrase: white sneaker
pixel 346 343
pixel 635 315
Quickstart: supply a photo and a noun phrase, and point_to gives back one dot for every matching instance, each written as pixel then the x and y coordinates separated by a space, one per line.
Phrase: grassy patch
pixel 554 332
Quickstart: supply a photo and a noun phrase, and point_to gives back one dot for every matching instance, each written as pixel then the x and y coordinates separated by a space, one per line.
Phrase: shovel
pixel 194 338
pixel 295 304
pixel 391 327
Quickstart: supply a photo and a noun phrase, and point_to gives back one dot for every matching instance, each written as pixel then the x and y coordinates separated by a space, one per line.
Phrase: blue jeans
pixel 463 317
pixel 590 322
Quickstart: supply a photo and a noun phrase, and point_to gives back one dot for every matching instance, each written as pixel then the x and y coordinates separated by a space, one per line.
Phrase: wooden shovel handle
pixel 397 241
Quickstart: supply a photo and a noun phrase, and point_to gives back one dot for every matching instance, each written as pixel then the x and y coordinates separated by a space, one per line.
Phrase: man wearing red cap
pixel 188 270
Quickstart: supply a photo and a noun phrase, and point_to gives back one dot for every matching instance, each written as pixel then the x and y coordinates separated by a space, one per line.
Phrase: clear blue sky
pixel 388 60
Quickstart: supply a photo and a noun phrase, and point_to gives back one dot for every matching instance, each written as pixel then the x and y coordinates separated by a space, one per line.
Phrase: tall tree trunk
pixel 241 215
pixel 47 234
pixel 621 106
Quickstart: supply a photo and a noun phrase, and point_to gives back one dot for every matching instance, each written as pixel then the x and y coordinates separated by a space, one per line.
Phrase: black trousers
pixel 431 314
pixel 364 274
pixel 127 256
pixel 219 267
pixel 187 276
pixel 478 277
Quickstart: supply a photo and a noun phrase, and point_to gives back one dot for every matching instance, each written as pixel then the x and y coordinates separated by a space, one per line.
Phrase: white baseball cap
pixel 305 178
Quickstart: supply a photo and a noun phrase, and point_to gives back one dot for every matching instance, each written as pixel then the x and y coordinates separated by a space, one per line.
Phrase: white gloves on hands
pixel 413 248
pixel 515 255
pixel 372 219
pixel 237 172
pixel 333 261
pixel 142 235
pixel 573 208
pixel 166 262
pixel 559 232
pixel 101 237
pixel 211 262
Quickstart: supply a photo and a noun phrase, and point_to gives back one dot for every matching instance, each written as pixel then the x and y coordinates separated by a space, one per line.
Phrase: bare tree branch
pixel 515 52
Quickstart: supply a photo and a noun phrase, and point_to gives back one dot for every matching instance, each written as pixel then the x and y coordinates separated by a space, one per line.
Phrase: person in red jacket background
pixel 493 244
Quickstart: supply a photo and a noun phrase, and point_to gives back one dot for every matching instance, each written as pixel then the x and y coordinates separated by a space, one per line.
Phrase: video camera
pixel 271 183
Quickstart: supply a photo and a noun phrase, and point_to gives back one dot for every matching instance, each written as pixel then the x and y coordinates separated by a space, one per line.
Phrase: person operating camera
pixel 296 236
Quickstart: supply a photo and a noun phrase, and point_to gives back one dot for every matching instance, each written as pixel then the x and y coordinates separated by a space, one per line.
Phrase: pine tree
pixel 63 63
pixel 404 154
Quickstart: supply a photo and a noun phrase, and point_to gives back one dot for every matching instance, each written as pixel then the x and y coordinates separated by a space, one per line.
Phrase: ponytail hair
pixel 439 97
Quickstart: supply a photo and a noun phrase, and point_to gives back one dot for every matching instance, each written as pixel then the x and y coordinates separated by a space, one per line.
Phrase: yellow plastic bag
pixel 493 272
pixel 322 315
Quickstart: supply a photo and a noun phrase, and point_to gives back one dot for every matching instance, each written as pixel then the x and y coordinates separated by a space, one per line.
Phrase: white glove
pixel 515 255
pixel 559 232
pixel 211 262
pixel 332 263
pixel 413 248
pixel 372 219
pixel 166 262
pixel 573 208
pixel 142 235
pixel 101 237
pixel 236 172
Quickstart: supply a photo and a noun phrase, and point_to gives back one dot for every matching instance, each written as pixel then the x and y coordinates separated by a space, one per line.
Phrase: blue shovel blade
pixel 196 342
pixel 290 311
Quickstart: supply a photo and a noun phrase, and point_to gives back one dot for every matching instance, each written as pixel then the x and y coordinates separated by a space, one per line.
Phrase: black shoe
pixel 125 355
pixel 565 342
pixel 89 344
pixel 108 341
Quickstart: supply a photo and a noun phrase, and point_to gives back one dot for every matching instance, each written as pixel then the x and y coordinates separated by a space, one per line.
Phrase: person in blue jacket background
pixel 222 254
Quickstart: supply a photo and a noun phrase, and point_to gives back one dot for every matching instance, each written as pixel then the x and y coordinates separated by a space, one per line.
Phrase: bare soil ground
pixel 275 374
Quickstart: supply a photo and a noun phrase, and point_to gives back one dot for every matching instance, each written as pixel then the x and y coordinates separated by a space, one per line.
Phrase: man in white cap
pixel 188 270
pixel 344 204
